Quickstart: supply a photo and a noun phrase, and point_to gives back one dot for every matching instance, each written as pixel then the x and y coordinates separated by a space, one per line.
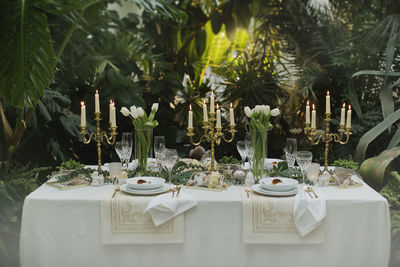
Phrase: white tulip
pixel 125 111
pixel 266 110
pixel 133 109
pixel 257 108
pixel 248 111
pixel 275 112
pixel 134 113
pixel 154 107
pixel 140 112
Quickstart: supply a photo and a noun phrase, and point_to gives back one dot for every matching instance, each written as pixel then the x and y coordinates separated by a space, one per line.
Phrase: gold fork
pixel 308 192
pixel 247 191
pixel 115 191
pixel 312 191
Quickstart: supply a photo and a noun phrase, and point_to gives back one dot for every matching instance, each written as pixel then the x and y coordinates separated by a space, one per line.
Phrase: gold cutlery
pixel 247 191
pixel 312 191
pixel 308 192
pixel 173 190
pixel 117 188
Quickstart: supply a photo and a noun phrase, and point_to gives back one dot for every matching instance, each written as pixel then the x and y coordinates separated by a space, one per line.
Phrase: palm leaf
pixel 28 60
pixel 395 140
pixel 387 101
pixel 369 136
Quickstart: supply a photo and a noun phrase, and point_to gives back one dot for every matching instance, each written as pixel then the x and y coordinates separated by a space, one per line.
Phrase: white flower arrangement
pixel 259 124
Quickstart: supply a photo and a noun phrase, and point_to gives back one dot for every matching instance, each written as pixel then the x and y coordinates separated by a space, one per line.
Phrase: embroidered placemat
pixel 269 220
pixel 123 221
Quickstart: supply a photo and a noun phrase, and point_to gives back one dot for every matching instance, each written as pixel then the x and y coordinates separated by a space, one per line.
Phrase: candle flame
pixel 344 105
pixel 217 106
pixel 82 103
pixel 190 107
pixel 308 102
pixel 97 91
pixel 313 106
pixel 349 106
pixel 327 93
pixel 231 105
pixel 110 101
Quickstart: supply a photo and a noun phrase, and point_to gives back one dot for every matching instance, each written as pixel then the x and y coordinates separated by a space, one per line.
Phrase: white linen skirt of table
pixel 62 228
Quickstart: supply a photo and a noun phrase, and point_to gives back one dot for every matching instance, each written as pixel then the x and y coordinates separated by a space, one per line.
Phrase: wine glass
pixel 304 159
pixel 290 152
pixel 159 146
pixel 119 148
pixel 249 147
pixel 241 148
pixel 170 158
pixel 127 139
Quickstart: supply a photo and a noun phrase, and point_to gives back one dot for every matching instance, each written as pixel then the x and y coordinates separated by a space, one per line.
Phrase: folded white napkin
pixel 165 207
pixel 308 212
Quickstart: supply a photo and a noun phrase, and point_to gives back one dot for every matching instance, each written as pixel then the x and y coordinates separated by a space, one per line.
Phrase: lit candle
pixel 313 117
pixel 83 114
pixel 231 115
pixel 343 115
pixel 96 102
pixel 218 117
pixel 328 103
pixel 212 107
pixel 348 121
pixel 111 104
pixel 113 116
pixel 308 112
pixel 190 123
pixel 205 114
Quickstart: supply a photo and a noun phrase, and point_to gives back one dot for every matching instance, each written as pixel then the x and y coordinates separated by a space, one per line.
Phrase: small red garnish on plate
pixel 141 181
pixel 276 181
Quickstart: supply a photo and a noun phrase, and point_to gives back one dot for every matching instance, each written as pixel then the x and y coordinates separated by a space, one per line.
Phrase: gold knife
pixel 312 191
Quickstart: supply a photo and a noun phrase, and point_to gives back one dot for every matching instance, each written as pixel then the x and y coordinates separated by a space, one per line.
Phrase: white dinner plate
pixel 288 184
pixel 152 183
pixel 257 188
pixel 126 189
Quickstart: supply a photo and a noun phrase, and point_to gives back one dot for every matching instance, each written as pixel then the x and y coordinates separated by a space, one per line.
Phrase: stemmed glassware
pixel 249 148
pixel 304 159
pixel 241 148
pixel 124 149
pixel 170 158
pixel 159 147
pixel 290 152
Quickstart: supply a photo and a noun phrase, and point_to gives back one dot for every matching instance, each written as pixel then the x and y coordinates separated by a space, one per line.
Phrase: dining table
pixel 63 228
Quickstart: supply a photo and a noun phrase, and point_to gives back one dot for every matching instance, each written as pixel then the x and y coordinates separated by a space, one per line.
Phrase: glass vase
pixel 143 147
pixel 260 148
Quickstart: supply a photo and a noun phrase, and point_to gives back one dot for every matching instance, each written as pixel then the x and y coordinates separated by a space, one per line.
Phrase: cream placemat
pixel 269 220
pixel 123 221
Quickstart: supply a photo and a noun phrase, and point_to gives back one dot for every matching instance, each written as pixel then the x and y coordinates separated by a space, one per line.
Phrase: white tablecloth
pixel 62 228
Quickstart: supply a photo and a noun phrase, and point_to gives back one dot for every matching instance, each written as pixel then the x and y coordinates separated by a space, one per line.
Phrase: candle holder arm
pixel 232 131
pixel 83 135
pixel 110 138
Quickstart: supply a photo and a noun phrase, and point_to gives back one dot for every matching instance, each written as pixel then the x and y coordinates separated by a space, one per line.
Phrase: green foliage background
pixel 56 53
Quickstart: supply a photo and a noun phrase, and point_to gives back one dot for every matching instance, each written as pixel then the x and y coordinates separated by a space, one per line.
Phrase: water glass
pixel 159 147
pixel 313 172
pixel 304 159
pixel 170 158
pixel 290 152
pixel 249 147
pixel 241 148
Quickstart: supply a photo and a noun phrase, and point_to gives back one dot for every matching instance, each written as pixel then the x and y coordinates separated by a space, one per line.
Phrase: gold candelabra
pixel 326 136
pixel 212 134
pixel 98 137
